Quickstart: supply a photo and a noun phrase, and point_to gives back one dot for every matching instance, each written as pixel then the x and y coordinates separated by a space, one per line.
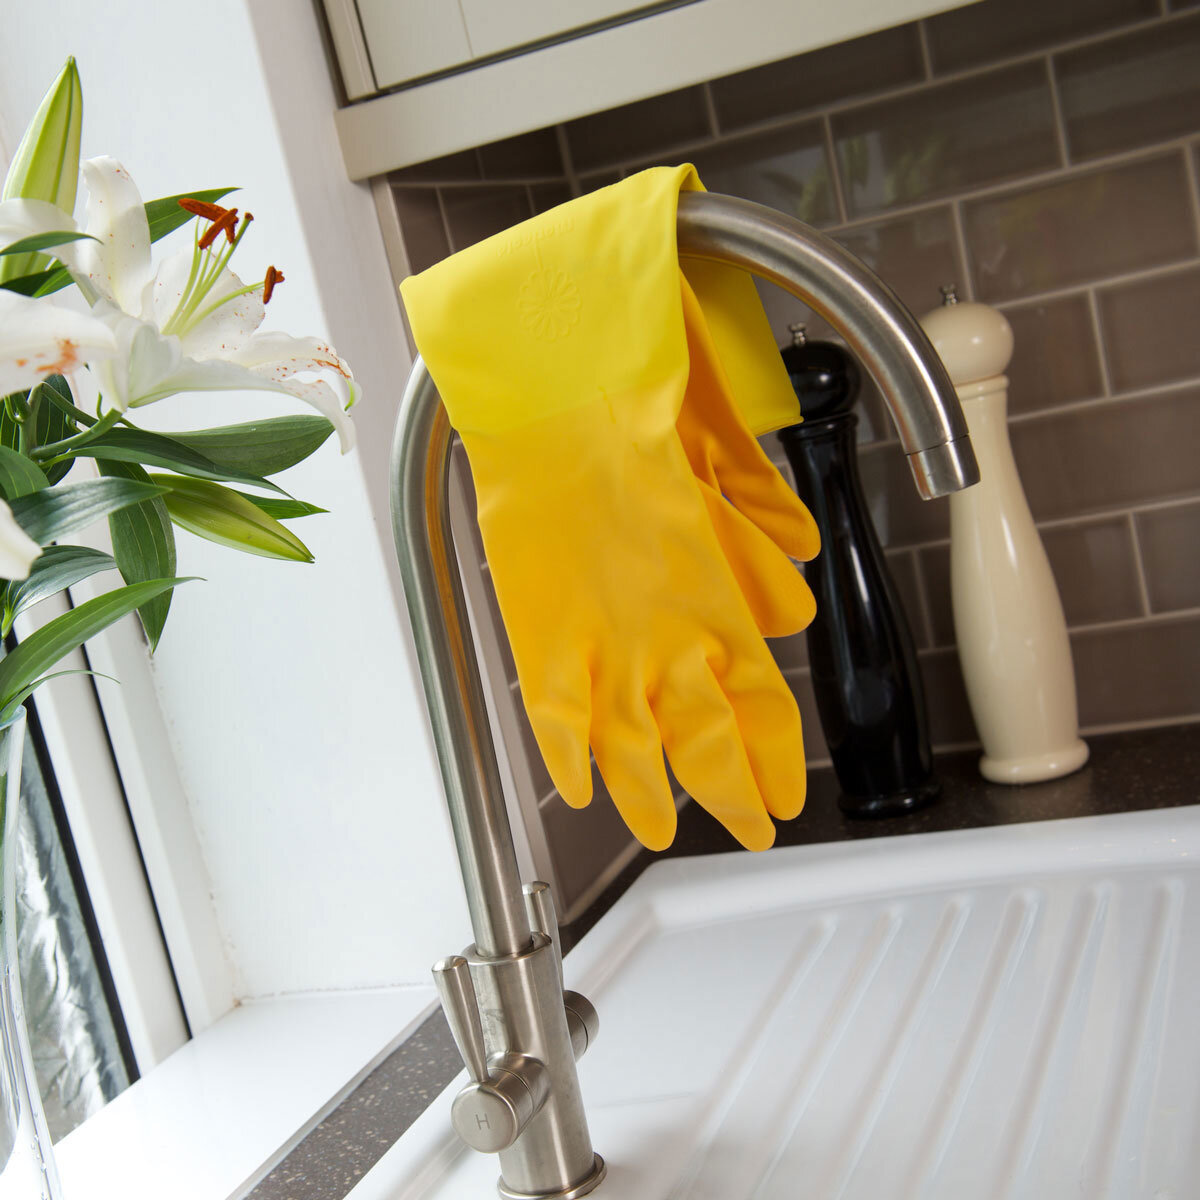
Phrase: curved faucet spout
pixel 862 308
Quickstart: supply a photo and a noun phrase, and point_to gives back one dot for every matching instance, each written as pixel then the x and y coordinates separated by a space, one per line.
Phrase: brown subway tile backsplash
pixel 530 156
pixel 890 58
pixel 422 227
pixel 636 130
pixel 543 785
pixel 945 138
pixel 1082 228
pixel 815 747
pixel 1095 568
pixel 583 842
pixel 901 517
pixel 1131 91
pixel 950 720
pixel 995 29
pixel 791 653
pixel 475 213
pixel 1151 329
pixel 1170 542
pixel 1055 357
pixel 548 195
pixel 1143 672
pixel 902 567
pixel 1110 456
pixel 786 169
pixel 915 254
pixel 452 168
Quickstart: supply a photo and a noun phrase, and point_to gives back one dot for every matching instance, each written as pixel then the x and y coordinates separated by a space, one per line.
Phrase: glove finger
pixel 560 713
pixel 769 719
pixel 724 453
pixel 705 748
pixel 778 595
pixel 629 755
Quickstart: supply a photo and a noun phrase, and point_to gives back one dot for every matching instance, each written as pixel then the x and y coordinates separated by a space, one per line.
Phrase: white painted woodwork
pixel 609 67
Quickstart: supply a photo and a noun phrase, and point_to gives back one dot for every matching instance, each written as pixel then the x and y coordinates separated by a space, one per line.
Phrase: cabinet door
pixel 412 38
pixel 494 26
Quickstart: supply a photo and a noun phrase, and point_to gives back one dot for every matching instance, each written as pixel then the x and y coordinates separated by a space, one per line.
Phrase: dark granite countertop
pixel 1148 768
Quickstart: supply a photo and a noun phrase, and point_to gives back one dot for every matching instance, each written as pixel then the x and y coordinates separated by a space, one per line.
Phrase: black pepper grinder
pixel 860 649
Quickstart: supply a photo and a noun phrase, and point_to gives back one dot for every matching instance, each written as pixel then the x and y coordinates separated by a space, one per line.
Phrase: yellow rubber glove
pixel 560 352
pixel 758 519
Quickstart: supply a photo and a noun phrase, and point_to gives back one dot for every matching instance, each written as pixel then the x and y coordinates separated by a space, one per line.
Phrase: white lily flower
pixel 18 551
pixel 38 339
pixel 192 326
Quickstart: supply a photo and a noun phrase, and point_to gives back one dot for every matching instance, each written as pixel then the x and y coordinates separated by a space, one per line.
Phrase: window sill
pixel 213 1118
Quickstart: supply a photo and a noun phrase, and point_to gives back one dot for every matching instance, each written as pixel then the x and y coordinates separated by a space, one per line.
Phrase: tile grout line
pixel 1078 521
pixel 958 226
pixel 1060 124
pixel 1141 275
pixel 1150 619
pixel 710 109
pixel 926 55
pixel 1193 185
pixel 835 168
pixel 445 219
pixel 568 161
pixel 1139 565
pixel 1093 303
pixel 1141 723
pixel 926 613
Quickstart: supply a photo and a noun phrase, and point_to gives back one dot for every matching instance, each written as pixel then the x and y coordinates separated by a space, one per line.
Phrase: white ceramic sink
pixel 995 1014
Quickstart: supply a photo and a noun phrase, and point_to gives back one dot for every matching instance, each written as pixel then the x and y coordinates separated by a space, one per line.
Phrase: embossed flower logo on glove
pixel 549 305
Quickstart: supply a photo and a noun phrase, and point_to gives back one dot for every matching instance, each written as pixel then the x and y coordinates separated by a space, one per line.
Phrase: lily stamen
pixel 202 208
pixel 225 223
pixel 273 277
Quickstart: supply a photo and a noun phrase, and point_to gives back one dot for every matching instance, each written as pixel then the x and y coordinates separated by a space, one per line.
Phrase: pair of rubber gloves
pixel 639 540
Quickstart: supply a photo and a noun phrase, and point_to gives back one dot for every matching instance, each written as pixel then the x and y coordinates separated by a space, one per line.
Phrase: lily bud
pixel 46 164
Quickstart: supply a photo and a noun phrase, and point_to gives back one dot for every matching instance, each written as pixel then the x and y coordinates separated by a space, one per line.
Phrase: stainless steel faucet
pixel 518 1031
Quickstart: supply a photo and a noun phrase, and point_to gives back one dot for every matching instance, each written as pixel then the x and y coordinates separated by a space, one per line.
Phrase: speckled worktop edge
pixel 1148 768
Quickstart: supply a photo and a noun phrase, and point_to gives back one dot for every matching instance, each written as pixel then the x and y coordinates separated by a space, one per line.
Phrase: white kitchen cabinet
pixel 495 26
pixel 470 72
pixel 410 38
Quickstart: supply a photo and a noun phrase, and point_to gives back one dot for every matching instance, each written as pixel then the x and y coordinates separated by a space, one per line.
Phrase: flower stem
pixel 68 445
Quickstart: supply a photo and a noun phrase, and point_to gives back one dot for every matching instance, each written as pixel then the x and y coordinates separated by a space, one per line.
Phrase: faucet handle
pixel 452 976
pixel 539 904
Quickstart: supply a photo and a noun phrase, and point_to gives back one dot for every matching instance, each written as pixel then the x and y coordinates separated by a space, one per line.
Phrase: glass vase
pixel 27 1168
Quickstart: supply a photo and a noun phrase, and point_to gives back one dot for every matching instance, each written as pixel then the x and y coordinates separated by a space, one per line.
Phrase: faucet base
pixel 599 1170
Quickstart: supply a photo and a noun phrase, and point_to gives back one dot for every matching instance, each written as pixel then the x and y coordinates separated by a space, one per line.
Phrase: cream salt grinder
pixel 1008 617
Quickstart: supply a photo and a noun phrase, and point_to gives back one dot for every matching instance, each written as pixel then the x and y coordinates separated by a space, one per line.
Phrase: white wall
pixel 290 691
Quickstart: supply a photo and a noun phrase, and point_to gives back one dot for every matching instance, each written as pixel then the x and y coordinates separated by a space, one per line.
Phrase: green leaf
pixel 49 514
pixel 229 519
pixel 29 689
pixel 43 241
pixel 56 420
pixel 19 475
pixel 144 545
pixel 282 510
pixel 157 450
pixel 36 654
pixel 165 215
pixel 59 567
pixel 262 447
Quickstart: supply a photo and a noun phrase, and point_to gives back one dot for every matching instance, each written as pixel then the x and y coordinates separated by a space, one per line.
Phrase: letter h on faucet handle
pixel 505 1091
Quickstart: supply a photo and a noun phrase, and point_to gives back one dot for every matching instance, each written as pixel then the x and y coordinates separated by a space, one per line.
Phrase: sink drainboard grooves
pixel 1009 947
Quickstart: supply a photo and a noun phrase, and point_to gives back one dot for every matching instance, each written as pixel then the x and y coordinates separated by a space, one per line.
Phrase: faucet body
pixel 518 1034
